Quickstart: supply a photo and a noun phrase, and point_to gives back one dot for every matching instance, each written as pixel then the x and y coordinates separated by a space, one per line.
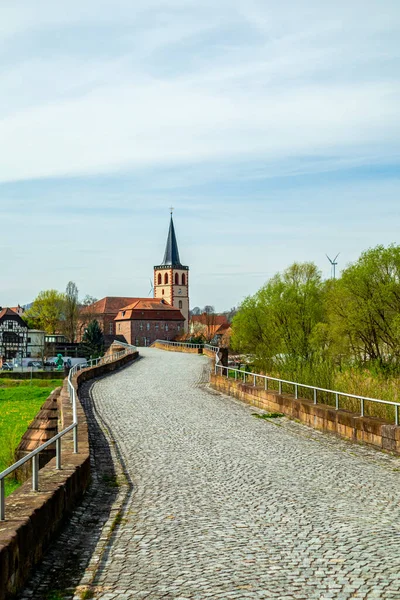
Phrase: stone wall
pixel 170 348
pixel 33 518
pixel 346 424
pixel 43 427
pixel 209 353
pixel 139 335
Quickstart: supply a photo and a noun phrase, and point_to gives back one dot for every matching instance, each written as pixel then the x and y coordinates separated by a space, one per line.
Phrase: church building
pixel 141 321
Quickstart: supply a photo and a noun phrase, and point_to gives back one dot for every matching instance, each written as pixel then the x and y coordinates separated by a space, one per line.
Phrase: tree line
pixel 57 312
pixel 305 328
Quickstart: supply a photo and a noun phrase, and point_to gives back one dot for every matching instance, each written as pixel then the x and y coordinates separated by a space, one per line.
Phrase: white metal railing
pixel 188 345
pixel 226 370
pixel 34 455
pixel 212 348
pixel 181 344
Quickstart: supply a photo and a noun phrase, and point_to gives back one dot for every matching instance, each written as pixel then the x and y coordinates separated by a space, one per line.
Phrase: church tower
pixel 171 278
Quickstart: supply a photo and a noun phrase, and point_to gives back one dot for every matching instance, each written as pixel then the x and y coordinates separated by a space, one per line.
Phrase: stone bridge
pixel 193 497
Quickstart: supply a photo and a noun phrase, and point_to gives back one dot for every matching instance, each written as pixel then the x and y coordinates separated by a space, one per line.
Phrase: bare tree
pixel 87 313
pixel 71 311
pixel 209 309
pixel 88 300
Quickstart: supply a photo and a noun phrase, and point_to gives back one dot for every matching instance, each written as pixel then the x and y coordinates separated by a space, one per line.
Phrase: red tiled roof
pixel 223 328
pixel 108 305
pixel 8 312
pixel 149 308
pixel 206 319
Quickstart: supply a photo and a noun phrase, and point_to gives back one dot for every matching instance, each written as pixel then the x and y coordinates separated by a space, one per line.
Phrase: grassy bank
pixel 19 403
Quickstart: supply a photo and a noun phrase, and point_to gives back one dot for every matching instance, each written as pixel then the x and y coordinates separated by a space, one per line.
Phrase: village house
pixel 210 326
pixel 104 311
pixel 36 343
pixel 147 320
pixel 13 335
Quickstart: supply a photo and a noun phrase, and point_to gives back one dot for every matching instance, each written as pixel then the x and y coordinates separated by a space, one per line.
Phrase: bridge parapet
pixel 178 347
pixel 36 510
pixel 219 355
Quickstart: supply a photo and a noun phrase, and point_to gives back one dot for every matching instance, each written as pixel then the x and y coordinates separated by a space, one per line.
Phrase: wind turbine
pixel 151 291
pixel 333 263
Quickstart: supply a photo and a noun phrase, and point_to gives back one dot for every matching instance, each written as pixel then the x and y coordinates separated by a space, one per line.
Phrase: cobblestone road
pixel 229 506
pixel 225 505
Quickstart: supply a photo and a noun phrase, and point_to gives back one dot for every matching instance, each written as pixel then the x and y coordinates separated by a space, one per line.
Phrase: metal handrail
pixel 188 345
pixel 182 344
pixel 212 348
pixel 315 389
pixel 34 455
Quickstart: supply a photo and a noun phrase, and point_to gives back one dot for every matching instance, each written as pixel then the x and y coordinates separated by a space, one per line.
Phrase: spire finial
pixel 171 208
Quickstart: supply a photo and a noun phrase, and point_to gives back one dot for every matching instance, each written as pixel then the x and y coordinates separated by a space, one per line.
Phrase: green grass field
pixel 19 403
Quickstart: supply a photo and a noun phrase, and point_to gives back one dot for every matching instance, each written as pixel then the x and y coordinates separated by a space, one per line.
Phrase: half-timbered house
pixel 13 335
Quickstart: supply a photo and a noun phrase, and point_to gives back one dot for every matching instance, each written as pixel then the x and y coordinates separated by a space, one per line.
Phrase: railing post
pixel 337 401
pixel 2 501
pixel 396 415
pixel 295 391
pixel 254 381
pixel 35 472
pixel 75 435
pixel 362 406
pixel 280 387
pixel 266 384
pixel 235 375
pixel 58 453
pixel 315 395
pixel 244 377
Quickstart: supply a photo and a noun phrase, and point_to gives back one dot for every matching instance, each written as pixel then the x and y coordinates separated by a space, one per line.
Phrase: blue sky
pixel 272 128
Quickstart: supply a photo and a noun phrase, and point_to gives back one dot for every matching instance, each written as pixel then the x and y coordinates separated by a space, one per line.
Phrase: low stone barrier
pixel 43 427
pixel 170 348
pixel 33 518
pixel 346 424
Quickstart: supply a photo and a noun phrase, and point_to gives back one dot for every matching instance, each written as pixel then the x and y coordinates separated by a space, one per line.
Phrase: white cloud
pixel 271 84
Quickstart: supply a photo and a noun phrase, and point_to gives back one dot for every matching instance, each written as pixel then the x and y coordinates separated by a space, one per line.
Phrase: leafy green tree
pixel 297 307
pixel 364 308
pixel 47 311
pixel 279 320
pixel 303 329
pixel 252 333
pixel 92 345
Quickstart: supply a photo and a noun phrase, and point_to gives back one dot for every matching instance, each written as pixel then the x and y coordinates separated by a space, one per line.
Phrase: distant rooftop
pixel 150 308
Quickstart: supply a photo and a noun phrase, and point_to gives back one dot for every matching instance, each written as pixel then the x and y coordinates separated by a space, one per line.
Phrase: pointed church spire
pixel 171 256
